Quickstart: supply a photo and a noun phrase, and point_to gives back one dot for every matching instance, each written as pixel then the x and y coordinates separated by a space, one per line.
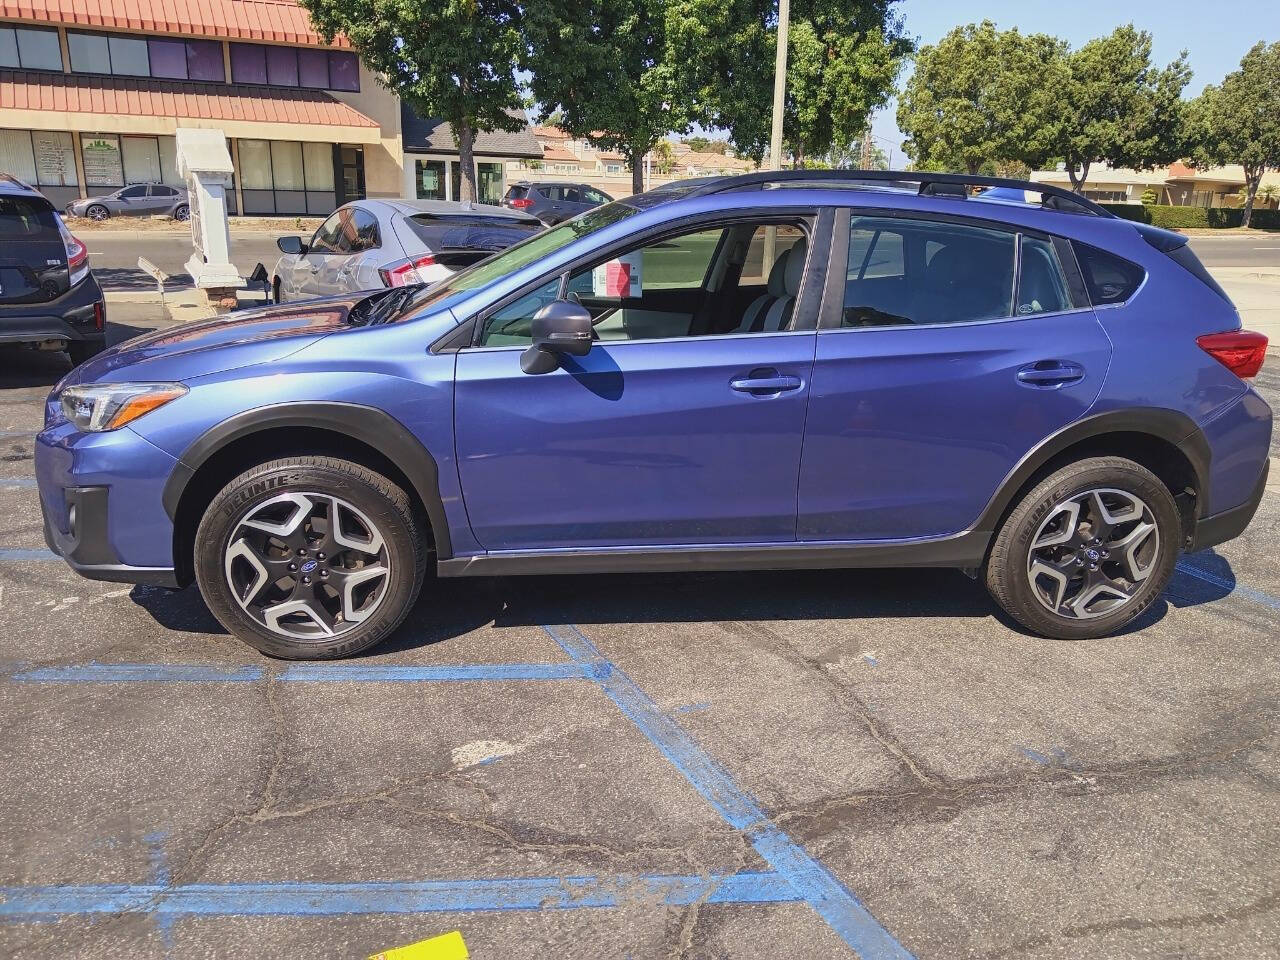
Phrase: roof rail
pixel 930 184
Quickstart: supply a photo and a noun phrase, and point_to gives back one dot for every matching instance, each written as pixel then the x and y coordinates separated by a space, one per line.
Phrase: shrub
pixel 1193 218
pixel 1149 197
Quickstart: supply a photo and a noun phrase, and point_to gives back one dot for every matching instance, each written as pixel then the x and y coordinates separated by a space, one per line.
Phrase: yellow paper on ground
pixel 447 947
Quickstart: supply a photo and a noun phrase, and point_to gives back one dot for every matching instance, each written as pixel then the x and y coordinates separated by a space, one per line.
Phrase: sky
pixel 1215 34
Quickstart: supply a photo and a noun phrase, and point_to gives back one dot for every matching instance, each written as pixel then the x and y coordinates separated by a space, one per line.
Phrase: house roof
pixel 558 154
pixel 433 135
pixel 1103 176
pixel 549 133
pixel 70 93
pixel 714 161
pixel 282 21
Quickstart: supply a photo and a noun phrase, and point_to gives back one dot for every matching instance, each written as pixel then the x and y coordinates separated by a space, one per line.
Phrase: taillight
pixel 1240 351
pixel 99 315
pixel 77 253
pixel 405 271
pixel 520 203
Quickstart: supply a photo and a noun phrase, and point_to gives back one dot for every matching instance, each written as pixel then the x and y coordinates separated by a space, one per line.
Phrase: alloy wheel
pixel 309 566
pixel 97 212
pixel 1092 553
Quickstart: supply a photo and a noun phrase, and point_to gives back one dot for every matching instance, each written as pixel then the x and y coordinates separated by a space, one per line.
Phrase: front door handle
pixel 1050 374
pixel 765 383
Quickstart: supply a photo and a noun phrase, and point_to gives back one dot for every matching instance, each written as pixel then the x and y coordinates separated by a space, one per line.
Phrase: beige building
pixel 92 92
pixel 1177 185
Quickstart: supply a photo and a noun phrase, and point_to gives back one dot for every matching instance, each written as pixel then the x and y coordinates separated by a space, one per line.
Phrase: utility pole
pixel 866 148
pixel 775 133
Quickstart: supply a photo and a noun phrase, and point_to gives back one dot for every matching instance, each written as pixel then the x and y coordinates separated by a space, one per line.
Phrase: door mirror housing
pixel 561 328
pixel 292 245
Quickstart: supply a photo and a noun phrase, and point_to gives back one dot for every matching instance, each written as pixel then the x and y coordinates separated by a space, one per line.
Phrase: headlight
pixel 95 407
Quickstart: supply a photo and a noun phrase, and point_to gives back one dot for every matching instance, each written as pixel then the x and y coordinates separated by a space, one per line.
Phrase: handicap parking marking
pixel 817 886
pixel 435 896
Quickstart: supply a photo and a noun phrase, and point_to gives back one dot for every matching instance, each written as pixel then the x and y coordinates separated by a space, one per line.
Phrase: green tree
pixel 1111 105
pixel 980 96
pixel 663 156
pixel 696 144
pixel 1239 121
pixel 455 59
pixel 606 66
pixel 843 58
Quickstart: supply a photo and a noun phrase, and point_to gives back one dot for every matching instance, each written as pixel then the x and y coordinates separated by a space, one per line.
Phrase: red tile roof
pixel 68 93
pixel 559 154
pixel 282 21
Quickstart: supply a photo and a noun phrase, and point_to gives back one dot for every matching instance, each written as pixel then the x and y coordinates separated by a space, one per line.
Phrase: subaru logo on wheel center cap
pixel 309 566
pixel 1093 555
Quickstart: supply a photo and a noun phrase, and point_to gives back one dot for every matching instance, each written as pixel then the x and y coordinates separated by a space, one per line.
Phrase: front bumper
pixel 71 317
pixel 100 497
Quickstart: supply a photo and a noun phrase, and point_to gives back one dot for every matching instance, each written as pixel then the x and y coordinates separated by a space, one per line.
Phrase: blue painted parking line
pixel 139 673
pixel 14 483
pixel 816 885
pixel 17 433
pixel 324 673
pixel 1229 583
pixel 25 553
pixel 440 896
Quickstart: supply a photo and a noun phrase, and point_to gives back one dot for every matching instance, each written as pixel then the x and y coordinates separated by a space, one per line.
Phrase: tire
pixel 1048 589
pixel 182 213
pixel 97 212
pixel 295 497
pixel 82 350
pixel 275 290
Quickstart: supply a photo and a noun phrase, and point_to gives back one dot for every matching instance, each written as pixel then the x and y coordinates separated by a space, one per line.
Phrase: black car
pixel 48 296
pixel 552 202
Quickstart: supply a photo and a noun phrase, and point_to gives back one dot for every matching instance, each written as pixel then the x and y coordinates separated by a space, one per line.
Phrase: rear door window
pixel 1108 278
pixel 27 218
pixel 926 272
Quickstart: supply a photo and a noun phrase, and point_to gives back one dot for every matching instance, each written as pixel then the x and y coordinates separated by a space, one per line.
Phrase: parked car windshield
pixel 522 254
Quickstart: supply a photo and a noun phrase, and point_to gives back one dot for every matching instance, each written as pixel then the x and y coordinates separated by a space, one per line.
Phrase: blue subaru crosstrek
pixel 773 371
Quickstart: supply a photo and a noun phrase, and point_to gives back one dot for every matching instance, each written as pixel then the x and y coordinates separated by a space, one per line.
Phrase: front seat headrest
pixel 796 257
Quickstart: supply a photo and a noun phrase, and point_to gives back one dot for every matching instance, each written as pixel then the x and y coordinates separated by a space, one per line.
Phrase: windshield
pixel 526 252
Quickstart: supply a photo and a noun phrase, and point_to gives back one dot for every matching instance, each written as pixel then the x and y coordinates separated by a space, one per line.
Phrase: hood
pixel 221 343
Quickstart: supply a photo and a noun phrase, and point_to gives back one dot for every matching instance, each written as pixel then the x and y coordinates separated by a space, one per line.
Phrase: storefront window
pixel 141 157
pixel 286 177
pixel 488 182
pixel 429 179
pixel 101 156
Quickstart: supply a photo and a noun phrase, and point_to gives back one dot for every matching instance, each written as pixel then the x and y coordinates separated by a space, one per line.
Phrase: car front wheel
pixel 97 212
pixel 310 557
pixel 1087 550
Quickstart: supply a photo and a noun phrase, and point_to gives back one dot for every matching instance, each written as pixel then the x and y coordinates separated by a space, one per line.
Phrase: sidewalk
pixel 1256 293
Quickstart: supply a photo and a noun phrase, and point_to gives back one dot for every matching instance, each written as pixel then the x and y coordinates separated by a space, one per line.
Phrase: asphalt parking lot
pixel 810 765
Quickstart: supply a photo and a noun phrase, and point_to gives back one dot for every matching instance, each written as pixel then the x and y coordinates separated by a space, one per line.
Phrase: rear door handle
pixel 764 383
pixel 1049 374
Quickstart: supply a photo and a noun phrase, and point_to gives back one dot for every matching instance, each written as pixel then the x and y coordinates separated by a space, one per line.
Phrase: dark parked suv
pixel 47 294
pixel 554 201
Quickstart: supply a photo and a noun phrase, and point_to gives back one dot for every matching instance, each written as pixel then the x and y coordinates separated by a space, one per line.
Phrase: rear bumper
pixel 1229 524
pixel 71 317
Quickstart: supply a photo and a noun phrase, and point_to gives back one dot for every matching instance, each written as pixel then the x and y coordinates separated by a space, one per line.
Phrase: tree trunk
pixel 637 171
pixel 467 161
pixel 1077 180
pixel 972 167
pixel 1252 179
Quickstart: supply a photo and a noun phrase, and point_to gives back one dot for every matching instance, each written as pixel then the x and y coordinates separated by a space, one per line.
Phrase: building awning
pixel 281 21
pixel 53 101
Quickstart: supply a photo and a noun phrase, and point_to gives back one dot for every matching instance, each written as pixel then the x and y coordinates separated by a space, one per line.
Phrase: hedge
pixel 1184 218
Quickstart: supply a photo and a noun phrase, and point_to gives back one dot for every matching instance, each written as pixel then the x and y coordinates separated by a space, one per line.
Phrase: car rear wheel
pixel 182 212
pixel 310 557
pixel 97 212
pixel 1087 550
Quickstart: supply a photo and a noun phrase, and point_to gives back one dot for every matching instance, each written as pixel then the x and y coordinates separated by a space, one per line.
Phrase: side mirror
pixel 293 245
pixel 561 328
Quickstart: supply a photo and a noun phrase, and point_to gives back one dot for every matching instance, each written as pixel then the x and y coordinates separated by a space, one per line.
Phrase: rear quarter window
pixel 1108 278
